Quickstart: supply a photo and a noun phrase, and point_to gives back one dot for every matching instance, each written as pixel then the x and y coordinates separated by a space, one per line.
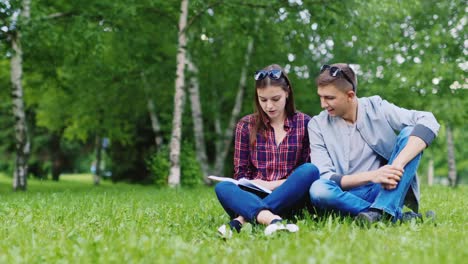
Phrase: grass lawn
pixel 72 221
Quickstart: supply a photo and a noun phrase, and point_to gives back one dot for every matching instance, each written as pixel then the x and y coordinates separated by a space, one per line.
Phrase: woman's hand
pixel 270 185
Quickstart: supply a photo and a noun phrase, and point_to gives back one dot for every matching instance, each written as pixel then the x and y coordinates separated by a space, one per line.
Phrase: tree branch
pixel 196 16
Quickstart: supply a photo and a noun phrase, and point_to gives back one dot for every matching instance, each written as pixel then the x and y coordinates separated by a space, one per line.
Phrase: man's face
pixel 335 101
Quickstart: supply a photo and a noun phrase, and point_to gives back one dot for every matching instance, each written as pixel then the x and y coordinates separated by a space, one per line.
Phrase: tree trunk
pixel 226 137
pixel 57 156
pixel 197 117
pixel 430 172
pixel 97 175
pixel 152 113
pixel 21 130
pixel 174 174
pixel 452 168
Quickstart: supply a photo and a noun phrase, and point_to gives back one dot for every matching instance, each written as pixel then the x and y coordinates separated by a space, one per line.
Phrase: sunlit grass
pixel 72 221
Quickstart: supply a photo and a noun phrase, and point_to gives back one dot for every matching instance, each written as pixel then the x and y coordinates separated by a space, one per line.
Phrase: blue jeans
pixel 290 195
pixel 327 194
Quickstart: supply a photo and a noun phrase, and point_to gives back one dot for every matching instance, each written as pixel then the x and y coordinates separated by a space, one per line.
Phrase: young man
pixel 366 169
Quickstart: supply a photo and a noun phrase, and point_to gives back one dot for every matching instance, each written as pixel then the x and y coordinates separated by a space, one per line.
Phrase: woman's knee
pixel 223 187
pixel 308 171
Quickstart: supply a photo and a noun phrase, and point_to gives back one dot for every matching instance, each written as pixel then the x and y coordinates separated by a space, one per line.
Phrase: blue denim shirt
pixel 379 123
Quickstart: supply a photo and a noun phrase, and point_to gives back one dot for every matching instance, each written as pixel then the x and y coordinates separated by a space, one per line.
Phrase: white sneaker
pixel 272 228
pixel 225 231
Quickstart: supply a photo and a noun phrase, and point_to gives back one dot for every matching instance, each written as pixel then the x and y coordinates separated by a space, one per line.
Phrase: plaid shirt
pixel 265 160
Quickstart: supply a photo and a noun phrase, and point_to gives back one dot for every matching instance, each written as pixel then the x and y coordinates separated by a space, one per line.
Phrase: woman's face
pixel 272 99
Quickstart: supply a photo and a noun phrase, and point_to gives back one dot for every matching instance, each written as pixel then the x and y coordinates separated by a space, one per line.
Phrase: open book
pixel 244 184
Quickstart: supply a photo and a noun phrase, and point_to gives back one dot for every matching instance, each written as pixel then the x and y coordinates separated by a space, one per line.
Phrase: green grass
pixel 72 221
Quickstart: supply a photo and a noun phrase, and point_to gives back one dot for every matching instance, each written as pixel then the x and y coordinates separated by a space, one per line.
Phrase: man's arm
pixel 388 175
pixel 425 124
pixel 319 153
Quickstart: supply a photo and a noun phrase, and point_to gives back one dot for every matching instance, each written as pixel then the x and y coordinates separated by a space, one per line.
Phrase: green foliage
pixel 190 168
pixel 7 145
pixel 158 165
pixel 73 221
pixel 83 63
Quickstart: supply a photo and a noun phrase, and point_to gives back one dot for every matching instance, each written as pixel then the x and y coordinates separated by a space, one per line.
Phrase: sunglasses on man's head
pixel 334 71
pixel 274 74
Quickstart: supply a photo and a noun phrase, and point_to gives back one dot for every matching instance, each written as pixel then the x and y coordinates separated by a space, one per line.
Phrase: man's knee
pixel 321 191
pixel 406 132
pixel 404 135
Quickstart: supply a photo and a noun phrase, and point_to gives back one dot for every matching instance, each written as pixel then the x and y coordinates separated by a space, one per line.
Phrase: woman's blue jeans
pixel 290 195
pixel 327 194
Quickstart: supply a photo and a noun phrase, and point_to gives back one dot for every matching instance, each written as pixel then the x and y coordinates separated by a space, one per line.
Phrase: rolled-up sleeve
pixel 425 124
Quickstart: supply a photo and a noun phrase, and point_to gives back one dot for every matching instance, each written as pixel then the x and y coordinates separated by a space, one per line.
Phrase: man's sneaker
pixel 278 224
pixel 430 216
pixel 368 218
pixel 225 231
pixel 408 216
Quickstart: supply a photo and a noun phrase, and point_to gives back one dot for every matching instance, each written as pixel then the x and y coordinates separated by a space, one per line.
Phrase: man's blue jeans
pixel 290 195
pixel 327 194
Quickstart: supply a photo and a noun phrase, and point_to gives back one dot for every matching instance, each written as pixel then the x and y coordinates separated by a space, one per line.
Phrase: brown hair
pixel 261 117
pixel 339 81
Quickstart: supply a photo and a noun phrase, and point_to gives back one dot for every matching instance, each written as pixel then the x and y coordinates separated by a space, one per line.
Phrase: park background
pixel 147 92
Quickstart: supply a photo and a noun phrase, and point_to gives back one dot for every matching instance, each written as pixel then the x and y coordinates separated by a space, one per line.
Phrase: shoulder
pixel 301 117
pixel 373 101
pixel 321 119
pixel 246 122
pixel 298 120
pixel 247 119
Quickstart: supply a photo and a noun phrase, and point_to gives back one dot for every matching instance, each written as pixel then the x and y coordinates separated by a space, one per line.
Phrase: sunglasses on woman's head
pixel 334 71
pixel 274 74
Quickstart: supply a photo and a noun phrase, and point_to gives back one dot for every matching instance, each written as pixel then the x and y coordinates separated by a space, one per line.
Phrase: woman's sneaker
pixel 226 230
pixel 278 224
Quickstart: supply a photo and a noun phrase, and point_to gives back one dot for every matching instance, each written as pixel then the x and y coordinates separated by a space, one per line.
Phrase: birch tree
pixel 452 168
pixel 155 124
pixel 174 156
pixel 197 117
pixel 226 136
pixel 21 131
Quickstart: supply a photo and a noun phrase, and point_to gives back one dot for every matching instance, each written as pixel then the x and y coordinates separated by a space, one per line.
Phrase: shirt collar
pixel 289 122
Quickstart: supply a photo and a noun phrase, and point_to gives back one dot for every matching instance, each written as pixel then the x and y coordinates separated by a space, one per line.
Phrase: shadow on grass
pixel 77 183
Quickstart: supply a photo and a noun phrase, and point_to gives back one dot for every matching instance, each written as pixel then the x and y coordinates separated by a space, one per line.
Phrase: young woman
pixel 271 149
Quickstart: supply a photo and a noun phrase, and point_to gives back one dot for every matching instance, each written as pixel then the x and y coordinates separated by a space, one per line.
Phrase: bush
pixel 159 165
pixel 191 170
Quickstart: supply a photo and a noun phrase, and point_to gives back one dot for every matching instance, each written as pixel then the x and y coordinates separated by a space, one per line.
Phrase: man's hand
pixel 388 176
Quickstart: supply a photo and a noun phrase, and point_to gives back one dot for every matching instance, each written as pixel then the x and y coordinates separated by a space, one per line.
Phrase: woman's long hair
pixel 261 118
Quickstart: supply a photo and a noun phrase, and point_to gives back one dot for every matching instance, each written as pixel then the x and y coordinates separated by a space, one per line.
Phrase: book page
pixel 251 184
pixel 242 182
pixel 220 179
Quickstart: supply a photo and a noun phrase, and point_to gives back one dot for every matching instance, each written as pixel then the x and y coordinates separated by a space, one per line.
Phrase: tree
pixel 179 97
pixel 21 131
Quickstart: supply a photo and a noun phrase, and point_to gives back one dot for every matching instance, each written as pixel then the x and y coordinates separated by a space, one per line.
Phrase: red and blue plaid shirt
pixel 265 160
